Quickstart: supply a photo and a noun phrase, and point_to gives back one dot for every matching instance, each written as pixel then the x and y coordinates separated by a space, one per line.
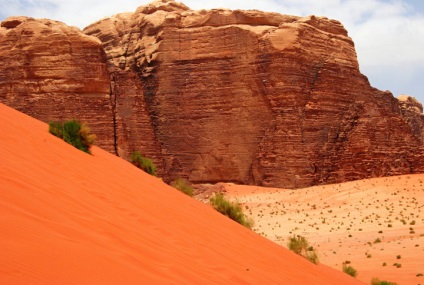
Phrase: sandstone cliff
pixel 53 72
pixel 241 96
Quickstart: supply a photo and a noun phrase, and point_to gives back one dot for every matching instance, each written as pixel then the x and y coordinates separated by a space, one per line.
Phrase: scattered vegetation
pixel 74 133
pixel 349 270
pixel 376 281
pixel 182 185
pixel 299 245
pixel 230 209
pixel 143 163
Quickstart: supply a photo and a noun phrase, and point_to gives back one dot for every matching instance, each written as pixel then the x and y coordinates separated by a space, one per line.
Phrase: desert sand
pixel 376 225
pixel 68 217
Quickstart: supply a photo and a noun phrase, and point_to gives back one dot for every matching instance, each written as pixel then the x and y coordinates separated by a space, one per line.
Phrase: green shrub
pixel 300 246
pixel 56 128
pixel 349 270
pixel 230 209
pixel 143 163
pixel 376 281
pixel 182 185
pixel 74 133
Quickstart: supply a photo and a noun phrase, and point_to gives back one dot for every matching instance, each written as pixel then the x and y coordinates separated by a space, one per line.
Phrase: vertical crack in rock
pixel 114 103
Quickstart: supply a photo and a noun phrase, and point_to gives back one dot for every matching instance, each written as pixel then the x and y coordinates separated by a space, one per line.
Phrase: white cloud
pixel 388 34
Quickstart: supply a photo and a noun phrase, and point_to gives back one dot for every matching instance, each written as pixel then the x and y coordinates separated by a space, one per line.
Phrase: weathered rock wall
pixel 412 111
pixel 262 98
pixel 54 72
pixel 133 123
pixel 242 96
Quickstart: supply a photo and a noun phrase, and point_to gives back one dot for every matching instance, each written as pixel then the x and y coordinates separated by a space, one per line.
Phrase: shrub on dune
pixel 74 133
pixel 182 185
pixel 230 209
pixel 299 245
pixel 56 129
pixel 349 270
pixel 376 281
pixel 143 163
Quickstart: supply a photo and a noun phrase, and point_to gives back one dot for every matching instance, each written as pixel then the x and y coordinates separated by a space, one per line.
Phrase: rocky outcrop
pixel 412 111
pixel 54 72
pixel 244 96
pixel 262 98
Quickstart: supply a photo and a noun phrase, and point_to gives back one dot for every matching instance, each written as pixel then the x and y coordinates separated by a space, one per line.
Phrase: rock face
pixel 54 72
pixel 51 71
pixel 412 110
pixel 240 96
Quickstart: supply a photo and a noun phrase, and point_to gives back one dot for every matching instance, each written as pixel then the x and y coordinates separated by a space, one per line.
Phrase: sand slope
pixel 375 224
pixel 67 217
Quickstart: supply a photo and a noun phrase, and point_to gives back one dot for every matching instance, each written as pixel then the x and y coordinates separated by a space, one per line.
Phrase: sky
pixel 388 34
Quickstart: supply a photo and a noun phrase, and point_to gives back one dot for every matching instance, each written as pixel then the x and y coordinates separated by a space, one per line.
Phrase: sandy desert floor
pixel 376 225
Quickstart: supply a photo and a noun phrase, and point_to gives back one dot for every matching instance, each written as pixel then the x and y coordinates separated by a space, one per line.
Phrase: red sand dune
pixel 67 217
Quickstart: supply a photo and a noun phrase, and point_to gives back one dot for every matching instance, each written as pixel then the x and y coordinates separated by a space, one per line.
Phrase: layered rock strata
pixel 55 72
pixel 237 96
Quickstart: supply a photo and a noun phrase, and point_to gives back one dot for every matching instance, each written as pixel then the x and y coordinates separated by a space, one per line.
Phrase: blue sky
pixel 388 34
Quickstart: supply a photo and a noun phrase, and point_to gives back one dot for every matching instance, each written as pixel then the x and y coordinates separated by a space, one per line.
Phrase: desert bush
pixel 56 128
pixel 300 246
pixel 182 185
pixel 312 256
pixel 376 281
pixel 230 209
pixel 74 133
pixel 86 138
pixel 349 270
pixel 143 163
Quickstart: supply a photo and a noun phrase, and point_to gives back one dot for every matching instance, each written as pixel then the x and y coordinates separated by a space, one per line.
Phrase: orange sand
pixel 367 222
pixel 67 217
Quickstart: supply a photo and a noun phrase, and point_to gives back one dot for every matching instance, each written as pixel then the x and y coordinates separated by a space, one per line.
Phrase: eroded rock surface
pixel 51 71
pixel 262 98
pixel 236 96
